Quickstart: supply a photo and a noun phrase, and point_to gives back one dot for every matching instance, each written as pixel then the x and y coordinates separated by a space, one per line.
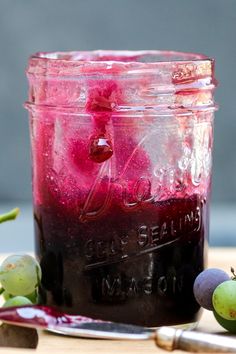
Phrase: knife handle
pixel 170 339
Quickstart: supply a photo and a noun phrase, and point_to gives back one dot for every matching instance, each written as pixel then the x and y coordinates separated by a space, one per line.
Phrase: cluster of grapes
pixel 20 276
pixel 214 290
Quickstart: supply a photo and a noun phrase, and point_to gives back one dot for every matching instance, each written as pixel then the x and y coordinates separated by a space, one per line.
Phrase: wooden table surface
pixel 218 257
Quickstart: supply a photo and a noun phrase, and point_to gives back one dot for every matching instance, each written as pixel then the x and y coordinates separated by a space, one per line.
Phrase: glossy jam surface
pixel 121 149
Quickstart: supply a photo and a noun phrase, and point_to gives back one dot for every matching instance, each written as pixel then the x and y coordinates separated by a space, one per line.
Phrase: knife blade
pixel 104 330
pixel 167 338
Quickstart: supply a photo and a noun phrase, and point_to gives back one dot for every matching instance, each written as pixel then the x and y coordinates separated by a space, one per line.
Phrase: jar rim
pixel 114 62
pixel 121 56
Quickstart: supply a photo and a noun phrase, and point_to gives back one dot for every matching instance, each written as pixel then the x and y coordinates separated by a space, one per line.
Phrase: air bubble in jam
pixel 100 148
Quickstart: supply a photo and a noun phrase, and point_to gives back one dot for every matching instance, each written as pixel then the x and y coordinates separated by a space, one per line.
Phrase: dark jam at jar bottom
pixel 132 266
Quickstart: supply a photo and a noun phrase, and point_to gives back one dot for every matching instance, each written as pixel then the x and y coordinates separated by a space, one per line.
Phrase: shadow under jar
pixel 121 155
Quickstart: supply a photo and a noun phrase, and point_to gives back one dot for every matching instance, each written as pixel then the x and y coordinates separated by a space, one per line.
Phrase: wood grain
pixel 218 257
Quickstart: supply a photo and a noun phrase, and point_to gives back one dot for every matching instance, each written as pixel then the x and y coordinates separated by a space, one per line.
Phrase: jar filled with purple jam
pixel 122 155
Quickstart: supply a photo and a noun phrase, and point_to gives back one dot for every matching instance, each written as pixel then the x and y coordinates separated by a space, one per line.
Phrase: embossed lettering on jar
pixel 122 156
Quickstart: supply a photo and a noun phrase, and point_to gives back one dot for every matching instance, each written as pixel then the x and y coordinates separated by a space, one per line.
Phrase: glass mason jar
pixel 122 155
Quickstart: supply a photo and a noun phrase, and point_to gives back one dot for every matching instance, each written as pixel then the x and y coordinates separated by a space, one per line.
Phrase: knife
pixel 167 338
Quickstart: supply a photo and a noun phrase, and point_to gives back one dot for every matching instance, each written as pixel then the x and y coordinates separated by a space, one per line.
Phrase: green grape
pixel 33 297
pixel 230 325
pixel 20 274
pixel 224 300
pixel 17 301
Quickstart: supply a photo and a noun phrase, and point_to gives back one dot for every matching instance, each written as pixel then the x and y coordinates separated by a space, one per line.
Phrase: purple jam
pixel 134 267
pixel 41 317
pixel 121 178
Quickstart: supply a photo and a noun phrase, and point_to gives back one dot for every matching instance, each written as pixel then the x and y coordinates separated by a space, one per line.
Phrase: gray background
pixel 26 26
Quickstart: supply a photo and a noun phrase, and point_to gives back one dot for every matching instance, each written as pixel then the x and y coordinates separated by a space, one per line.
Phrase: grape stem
pixel 11 215
pixel 234 275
